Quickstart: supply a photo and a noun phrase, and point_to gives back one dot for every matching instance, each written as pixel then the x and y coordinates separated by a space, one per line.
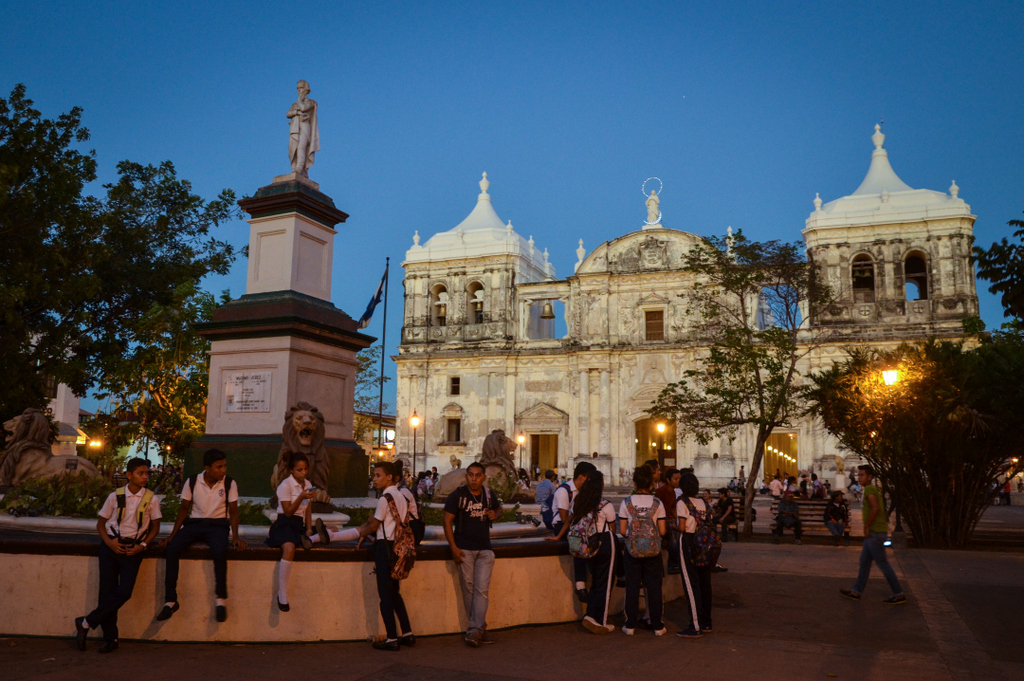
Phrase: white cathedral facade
pixel 479 350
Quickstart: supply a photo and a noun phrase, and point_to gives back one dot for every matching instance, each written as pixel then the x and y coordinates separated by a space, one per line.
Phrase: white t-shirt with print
pixel 641 502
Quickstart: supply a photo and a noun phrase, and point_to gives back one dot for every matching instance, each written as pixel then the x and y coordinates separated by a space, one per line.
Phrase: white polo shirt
pixel 563 499
pixel 683 513
pixel 288 491
pixel 411 501
pixel 208 502
pixel 383 512
pixel 129 524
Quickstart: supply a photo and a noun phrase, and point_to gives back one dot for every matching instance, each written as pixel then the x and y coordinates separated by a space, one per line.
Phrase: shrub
pixel 76 496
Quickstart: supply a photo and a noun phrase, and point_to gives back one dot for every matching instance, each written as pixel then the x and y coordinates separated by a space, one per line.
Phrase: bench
pixel 812 517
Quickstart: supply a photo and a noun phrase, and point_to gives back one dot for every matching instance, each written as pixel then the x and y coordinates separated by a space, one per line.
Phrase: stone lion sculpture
pixel 28 455
pixel 496 458
pixel 304 432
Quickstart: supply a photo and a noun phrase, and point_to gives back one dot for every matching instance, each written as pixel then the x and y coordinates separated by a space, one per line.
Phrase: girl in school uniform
pixel 294 521
pixel 602 565
pixel 696 580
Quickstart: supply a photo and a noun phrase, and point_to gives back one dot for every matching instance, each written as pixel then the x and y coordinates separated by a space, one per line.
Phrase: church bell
pixel 547 312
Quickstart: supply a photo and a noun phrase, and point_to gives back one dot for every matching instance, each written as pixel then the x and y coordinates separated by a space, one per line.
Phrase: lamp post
pixel 521 438
pixel 891 377
pixel 414 421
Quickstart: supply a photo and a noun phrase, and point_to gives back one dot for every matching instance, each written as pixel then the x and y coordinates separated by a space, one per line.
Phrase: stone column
pixel 604 433
pixel 584 402
pixel 492 404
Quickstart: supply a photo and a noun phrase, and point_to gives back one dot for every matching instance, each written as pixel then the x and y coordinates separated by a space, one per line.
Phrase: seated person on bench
pixel 789 516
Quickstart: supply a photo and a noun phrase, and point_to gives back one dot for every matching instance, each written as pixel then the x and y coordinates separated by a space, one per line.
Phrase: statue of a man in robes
pixel 303 134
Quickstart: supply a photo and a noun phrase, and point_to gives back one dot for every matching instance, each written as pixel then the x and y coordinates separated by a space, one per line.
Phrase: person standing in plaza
pixel 128 521
pixel 209 506
pixel 468 514
pixel 545 491
pixel 776 486
pixel 692 511
pixel 876 531
pixel 561 505
pixel 642 524
pixel 392 509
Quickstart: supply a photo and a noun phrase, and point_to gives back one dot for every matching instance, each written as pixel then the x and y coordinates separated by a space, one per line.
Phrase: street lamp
pixel 414 421
pixel 891 377
pixel 521 438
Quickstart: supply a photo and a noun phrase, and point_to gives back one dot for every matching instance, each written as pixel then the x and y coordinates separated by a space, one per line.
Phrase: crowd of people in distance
pixel 611 547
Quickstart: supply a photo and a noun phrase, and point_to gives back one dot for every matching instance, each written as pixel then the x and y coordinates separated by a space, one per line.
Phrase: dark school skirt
pixel 286 530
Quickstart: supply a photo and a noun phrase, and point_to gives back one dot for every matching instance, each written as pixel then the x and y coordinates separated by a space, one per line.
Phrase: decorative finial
pixel 878 137
pixel 580 252
pixel 885 195
pixel 953 189
pixel 728 238
pixel 545 255
pixel 416 238
pixel 508 228
pixel 484 184
pixel 530 243
pixel 817 202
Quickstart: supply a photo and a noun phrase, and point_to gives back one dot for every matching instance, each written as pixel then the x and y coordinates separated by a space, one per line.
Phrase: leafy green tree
pixel 1003 265
pixel 367 392
pixel 748 304
pixel 78 272
pixel 940 435
pixel 162 379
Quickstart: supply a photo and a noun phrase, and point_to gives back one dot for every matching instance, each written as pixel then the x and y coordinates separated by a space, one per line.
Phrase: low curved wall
pixel 45 582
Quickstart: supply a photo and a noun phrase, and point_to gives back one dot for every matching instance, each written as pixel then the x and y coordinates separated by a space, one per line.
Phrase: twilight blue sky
pixel 745 110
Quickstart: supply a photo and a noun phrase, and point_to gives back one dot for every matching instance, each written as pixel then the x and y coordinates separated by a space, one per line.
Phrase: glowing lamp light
pixel 521 438
pixel 890 376
pixel 661 427
pixel 95 443
pixel 414 420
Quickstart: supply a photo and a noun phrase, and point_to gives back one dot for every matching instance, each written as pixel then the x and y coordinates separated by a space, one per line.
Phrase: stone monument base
pixel 251 460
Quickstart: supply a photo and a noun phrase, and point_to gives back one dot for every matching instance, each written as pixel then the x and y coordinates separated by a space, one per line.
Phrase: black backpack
pixel 227 491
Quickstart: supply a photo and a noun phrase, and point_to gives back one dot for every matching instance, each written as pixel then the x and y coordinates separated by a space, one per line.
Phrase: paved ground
pixel 777 615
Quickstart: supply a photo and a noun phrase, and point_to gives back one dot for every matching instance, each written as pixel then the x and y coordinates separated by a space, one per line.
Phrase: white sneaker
pixel 661 632
pixel 627 631
pixel 593 626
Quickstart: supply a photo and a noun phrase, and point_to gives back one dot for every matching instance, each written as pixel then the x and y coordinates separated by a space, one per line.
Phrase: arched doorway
pixel 656 439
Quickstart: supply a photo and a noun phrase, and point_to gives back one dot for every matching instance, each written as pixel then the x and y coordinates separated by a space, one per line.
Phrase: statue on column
pixel 303 133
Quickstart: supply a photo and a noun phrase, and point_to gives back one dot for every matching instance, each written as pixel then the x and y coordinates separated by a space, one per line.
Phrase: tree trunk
pixel 750 491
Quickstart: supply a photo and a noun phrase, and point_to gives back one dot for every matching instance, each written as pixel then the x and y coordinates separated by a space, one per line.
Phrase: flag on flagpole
pixel 364 321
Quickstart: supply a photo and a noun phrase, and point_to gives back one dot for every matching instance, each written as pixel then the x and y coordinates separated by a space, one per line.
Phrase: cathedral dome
pixel 480 234
pixel 883 198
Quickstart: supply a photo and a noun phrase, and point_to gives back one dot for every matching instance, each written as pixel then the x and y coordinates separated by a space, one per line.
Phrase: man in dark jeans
pixel 789 516
pixel 725 512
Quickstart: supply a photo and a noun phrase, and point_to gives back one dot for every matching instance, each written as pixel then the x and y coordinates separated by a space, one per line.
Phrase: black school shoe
pixel 222 613
pixel 851 594
pixel 80 633
pixel 581 595
pixel 386 645
pixel 895 600
pixel 166 612
pixel 321 529
pixel 108 647
pixel 407 640
pixel 283 607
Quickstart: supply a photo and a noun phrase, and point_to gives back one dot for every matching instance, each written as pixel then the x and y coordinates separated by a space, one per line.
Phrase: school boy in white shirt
pixel 645 508
pixel 382 525
pixel 128 521
pixel 209 504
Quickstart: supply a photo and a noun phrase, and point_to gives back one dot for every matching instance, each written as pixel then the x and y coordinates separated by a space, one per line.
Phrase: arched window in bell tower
pixel 863 274
pixel 915 271
pixel 438 313
pixel 475 301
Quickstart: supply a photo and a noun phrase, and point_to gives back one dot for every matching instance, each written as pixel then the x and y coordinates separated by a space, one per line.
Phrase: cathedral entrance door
pixel 543 452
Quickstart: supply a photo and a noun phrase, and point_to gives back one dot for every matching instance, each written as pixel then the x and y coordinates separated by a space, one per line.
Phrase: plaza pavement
pixel 777 615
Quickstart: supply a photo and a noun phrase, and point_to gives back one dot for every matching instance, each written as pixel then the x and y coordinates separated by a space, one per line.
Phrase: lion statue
pixel 496 458
pixel 28 455
pixel 304 432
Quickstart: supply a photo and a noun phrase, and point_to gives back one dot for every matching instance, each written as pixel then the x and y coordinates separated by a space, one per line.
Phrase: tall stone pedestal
pixel 284 342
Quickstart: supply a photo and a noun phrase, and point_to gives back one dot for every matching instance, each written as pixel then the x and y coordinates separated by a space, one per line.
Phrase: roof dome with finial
pixel 482 233
pixel 884 198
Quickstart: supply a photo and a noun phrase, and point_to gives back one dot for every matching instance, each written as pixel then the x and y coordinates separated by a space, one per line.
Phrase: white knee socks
pixel 282 580
pixel 350 534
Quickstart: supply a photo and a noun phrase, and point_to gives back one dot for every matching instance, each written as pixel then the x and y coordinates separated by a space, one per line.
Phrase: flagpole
pixel 383 351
